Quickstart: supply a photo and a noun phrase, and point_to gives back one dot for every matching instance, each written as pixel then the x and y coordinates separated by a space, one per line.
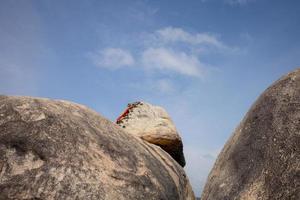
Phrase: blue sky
pixel 204 61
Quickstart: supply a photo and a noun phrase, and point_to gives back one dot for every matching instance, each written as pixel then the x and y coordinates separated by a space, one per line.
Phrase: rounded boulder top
pixel 154 125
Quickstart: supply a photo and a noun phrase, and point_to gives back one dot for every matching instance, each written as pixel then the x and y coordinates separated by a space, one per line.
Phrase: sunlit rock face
pixel 51 149
pixel 261 160
pixel 154 125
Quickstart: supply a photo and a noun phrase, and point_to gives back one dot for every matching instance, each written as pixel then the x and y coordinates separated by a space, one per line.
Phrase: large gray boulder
pixel 154 125
pixel 52 149
pixel 261 160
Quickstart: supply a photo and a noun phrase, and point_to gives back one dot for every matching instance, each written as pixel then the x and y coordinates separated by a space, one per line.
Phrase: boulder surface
pixel 51 149
pixel 154 125
pixel 261 160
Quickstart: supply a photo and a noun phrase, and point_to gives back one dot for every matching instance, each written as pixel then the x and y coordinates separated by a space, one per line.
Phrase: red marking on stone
pixel 126 112
pixel 123 114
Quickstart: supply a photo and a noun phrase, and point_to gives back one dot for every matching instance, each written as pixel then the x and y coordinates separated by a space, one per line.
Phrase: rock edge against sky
pixel 261 159
pixel 51 149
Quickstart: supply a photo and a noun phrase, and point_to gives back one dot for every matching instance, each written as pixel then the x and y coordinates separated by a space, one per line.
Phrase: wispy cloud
pixel 171 35
pixel 166 50
pixel 168 60
pixel 238 2
pixel 113 58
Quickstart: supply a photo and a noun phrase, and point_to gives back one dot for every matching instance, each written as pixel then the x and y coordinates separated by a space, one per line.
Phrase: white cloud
pixel 164 59
pixel 113 58
pixel 169 49
pixel 238 2
pixel 171 35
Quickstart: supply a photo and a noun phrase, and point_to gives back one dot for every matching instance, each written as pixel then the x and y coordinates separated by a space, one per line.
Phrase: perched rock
pixel 261 160
pixel 153 124
pixel 60 150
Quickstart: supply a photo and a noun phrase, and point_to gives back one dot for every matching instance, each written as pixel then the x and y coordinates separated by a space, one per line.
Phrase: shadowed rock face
pixel 154 125
pixel 60 150
pixel 261 160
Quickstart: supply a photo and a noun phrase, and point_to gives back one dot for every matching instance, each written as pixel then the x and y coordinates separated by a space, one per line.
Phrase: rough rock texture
pixel 153 124
pixel 261 160
pixel 60 150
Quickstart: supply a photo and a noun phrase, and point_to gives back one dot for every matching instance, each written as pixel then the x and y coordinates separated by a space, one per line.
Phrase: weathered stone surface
pixel 261 160
pixel 52 149
pixel 153 124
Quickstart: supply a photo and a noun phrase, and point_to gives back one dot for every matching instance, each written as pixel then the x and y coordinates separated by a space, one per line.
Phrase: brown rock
pixel 153 124
pixel 261 160
pixel 60 150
